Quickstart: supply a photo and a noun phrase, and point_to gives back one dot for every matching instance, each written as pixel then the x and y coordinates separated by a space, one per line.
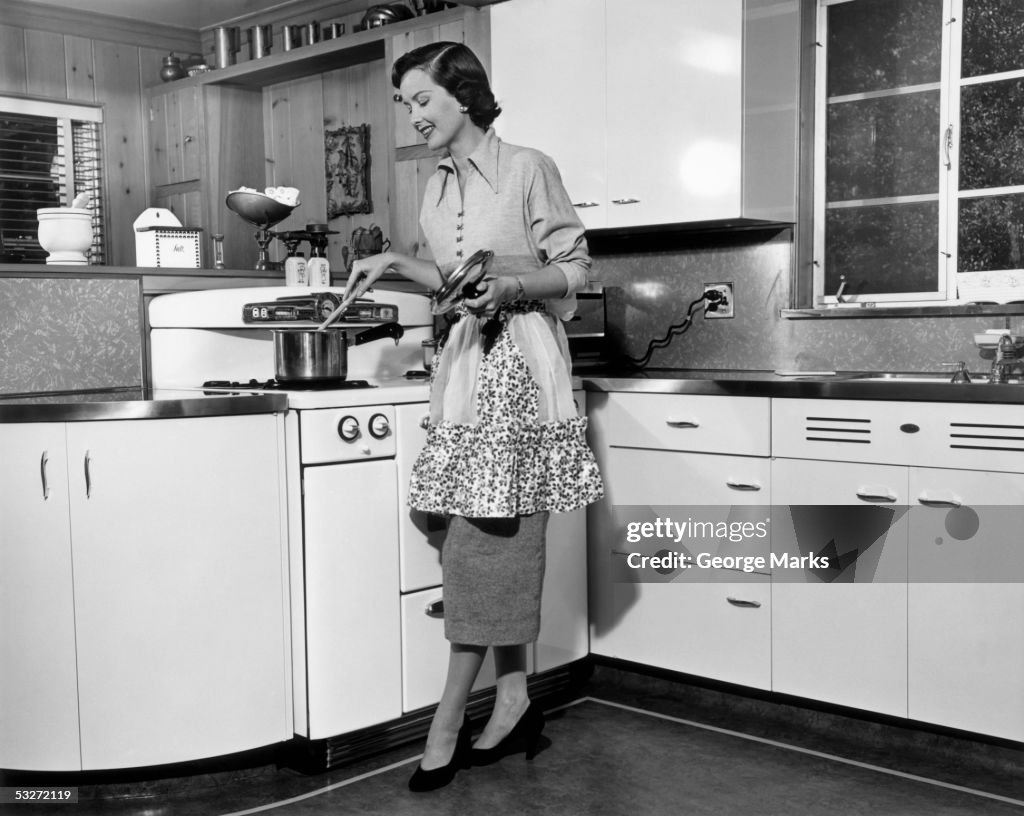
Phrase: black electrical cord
pixel 711 296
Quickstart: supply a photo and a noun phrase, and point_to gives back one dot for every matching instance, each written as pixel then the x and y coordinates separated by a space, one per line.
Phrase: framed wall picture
pixel 348 170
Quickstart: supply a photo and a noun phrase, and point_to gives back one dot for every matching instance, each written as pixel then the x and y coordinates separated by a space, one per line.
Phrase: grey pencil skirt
pixel 493 571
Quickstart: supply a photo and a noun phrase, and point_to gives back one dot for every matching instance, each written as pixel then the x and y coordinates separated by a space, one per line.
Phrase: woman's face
pixel 434 112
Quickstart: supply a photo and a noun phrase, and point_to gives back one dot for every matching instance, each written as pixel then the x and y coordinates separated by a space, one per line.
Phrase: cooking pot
pixel 317 356
pixel 383 14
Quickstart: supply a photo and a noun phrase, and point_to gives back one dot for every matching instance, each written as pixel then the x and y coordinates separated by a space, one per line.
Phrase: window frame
pixel 64 113
pixel 945 292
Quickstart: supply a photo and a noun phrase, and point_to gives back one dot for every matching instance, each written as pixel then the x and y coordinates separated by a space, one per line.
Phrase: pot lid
pixel 469 272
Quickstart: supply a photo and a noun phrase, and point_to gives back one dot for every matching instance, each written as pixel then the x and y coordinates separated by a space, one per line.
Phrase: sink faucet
pixel 961 375
pixel 1005 360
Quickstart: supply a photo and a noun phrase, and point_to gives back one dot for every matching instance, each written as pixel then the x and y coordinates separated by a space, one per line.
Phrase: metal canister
pixel 330 31
pixel 225 45
pixel 261 38
pixel 291 36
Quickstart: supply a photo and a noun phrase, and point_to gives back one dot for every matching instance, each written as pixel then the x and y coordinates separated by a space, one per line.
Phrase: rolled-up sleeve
pixel 555 226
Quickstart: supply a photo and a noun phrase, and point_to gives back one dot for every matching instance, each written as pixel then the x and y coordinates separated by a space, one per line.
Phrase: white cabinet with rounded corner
pixel 158 622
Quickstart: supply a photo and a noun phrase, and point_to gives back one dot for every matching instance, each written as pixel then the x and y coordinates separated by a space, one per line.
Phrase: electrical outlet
pixel 724 306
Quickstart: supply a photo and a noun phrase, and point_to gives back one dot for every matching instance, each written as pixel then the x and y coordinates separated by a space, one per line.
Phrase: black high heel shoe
pixel 524 736
pixel 422 781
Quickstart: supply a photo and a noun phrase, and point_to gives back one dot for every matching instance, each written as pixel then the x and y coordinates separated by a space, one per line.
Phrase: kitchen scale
pixel 316 307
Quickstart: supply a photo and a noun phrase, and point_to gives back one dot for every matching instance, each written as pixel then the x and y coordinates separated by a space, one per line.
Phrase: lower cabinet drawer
pixel 425 651
pixel 691 422
pixel 716 626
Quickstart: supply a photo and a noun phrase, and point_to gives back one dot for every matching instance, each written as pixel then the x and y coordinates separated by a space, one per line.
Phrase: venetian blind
pixel 50 152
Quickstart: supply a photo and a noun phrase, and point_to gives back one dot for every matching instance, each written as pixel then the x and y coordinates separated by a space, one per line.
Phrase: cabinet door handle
pixel 625 201
pixel 188 139
pixel 88 475
pixel 682 423
pixel 43 460
pixel 742 485
pixel 744 603
pixel 435 609
pixel 877 498
pixel 584 204
pixel 939 502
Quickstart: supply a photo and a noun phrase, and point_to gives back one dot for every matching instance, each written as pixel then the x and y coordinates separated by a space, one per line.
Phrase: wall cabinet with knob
pixel 203 141
pixel 684 458
pixel 702 128
pixel 140 628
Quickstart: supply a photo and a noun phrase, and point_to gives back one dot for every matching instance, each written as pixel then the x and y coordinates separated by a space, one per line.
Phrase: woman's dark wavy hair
pixel 455 68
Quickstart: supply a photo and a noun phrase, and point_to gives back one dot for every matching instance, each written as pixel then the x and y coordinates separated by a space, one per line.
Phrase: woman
pixel 505 446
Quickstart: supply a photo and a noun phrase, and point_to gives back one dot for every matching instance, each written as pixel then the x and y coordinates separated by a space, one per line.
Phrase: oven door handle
pixel 435 609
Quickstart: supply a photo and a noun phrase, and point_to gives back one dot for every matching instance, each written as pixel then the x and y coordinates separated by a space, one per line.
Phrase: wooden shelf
pixel 350 49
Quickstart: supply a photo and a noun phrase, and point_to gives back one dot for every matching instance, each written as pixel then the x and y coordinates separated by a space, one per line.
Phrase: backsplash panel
pixel 649 282
pixel 61 334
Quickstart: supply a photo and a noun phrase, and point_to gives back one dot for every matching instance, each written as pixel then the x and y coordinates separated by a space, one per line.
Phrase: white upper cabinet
pixel 641 104
pixel 674 110
pixel 548 73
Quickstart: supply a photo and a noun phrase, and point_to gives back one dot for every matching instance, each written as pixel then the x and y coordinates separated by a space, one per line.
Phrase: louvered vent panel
pixel 838 429
pixel 986 436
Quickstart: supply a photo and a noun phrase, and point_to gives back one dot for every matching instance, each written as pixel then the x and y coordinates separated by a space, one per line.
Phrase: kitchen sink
pixel 923 378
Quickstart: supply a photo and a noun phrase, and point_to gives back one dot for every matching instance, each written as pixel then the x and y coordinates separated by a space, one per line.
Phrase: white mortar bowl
pixel 65 233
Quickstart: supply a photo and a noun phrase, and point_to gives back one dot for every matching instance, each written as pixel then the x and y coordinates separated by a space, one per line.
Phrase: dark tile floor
pixel 644 746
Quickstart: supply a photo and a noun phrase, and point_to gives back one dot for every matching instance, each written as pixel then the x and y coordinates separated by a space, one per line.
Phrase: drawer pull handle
pixel 583 204
pixel 682 423
pixel 435 609
pixel 88 475
pixel 742 485
pixel 42 472
pixel 744 604
pixel 876 498
pixel 939 502
pixel 629 200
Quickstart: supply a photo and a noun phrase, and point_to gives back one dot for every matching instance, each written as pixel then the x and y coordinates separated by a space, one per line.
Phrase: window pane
pixel 883 249
pixel 29 179
pixel 991 233
pixel 879 148
pixel 993 37
pixel 992 135
pixel 881 44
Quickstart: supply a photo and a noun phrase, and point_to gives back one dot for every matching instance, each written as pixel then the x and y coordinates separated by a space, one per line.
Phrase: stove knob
pixel 348 428
pixel 379 426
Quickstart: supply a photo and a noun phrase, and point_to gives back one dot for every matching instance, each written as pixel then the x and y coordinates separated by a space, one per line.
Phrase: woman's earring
pixel 463 109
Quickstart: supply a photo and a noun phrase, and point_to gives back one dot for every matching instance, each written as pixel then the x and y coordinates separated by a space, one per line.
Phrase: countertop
pixel 134 403
pixel 852 385
pixel 162 403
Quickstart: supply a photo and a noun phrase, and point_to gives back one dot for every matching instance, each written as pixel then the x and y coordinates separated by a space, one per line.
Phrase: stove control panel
pixel 347 434
pixel 315 308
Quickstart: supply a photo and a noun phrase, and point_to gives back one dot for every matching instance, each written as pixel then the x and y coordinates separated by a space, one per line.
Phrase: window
pixel 919 156
pixel 49 154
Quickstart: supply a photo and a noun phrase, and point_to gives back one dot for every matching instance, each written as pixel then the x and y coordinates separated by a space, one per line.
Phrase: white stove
pixel 349 455
pixel 212 336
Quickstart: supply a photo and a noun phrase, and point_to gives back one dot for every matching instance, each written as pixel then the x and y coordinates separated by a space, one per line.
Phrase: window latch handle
pixel 947 146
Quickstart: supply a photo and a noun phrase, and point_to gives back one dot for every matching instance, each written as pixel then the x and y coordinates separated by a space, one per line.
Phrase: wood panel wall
pixel 83 57
pixel 296 114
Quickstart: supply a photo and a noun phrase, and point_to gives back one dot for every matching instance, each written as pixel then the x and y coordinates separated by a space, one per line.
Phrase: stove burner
pixel 275 385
